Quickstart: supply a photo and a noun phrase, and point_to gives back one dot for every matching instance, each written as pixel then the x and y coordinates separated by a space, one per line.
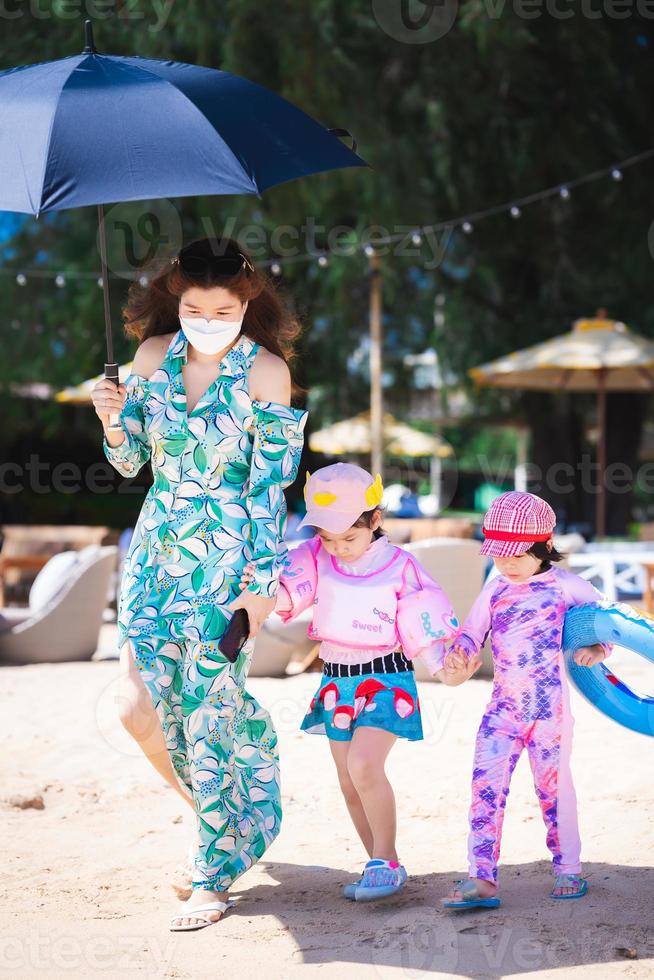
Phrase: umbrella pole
pixel 600 512
pixel 376 396
pixel 376 406
pixel 111 367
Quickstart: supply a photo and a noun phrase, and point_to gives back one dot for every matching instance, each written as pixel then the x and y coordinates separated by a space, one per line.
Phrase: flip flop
pixel 471 896
pixel 570 881
pixel 197 913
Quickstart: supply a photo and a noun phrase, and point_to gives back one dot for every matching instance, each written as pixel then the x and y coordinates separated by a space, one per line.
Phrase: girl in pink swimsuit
pixel 523 609
pixel 374 610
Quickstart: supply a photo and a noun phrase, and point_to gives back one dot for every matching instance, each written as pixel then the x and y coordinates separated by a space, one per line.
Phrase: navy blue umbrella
pixel 96 129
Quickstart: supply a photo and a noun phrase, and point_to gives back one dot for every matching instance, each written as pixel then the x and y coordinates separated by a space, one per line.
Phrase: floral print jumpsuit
pixel 216 503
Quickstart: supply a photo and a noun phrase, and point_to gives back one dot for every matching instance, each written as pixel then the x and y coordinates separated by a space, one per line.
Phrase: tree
pixel 497 108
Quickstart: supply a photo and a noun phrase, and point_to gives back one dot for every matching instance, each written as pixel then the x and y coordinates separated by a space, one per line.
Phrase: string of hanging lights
pixel 466 223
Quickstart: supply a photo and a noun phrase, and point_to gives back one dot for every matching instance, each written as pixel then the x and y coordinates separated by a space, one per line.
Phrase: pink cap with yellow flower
pixel 336 496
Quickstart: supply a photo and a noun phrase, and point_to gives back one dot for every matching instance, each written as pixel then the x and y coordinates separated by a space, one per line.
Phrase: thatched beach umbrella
pixel 597 355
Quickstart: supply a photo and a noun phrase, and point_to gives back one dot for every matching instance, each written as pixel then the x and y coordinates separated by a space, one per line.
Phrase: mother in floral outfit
pixel 208 404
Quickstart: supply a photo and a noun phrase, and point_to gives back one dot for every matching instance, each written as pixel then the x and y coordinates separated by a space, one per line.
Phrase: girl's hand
pixel 107 400
pixel 456 659
pixel 455 675
pixel 589 656
pixel 247 576
pixel 258 608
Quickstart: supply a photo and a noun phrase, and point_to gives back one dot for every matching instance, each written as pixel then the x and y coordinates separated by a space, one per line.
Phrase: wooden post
pixel 436 481
pixel 520 472
pixel 600 505
pixel 376 394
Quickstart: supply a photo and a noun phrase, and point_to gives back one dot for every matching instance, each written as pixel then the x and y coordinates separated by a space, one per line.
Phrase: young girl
pixel 523 608
pixel 374 610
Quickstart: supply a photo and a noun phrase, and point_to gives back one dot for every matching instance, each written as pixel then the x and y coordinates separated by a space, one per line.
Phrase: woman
pixel 207 403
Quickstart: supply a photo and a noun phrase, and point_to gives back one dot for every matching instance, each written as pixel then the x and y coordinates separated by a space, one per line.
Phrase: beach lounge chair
pixel 64 616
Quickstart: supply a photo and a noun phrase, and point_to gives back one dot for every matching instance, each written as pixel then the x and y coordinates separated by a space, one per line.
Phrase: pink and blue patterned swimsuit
pixel 529 709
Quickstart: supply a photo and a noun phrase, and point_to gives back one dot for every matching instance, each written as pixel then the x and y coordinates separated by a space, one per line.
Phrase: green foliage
pixel 498 108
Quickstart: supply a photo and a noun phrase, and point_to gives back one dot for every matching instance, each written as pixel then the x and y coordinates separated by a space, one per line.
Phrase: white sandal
pixel 197 913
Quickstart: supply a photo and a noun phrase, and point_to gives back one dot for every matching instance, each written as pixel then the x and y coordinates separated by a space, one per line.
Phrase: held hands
pixel 107 400
pixel 589 656
pixel 457 668
pixel 258 607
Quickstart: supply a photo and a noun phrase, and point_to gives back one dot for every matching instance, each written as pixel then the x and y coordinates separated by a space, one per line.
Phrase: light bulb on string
pixel 515 211
pixel 60 281
pixel 416 238
pixel 143 281
pixel 616 174
pixel 369 251
pixel 99 281
pixel 21 279
pixel 467 227
pixel 323 261
pixel 564 193
pixel 276 269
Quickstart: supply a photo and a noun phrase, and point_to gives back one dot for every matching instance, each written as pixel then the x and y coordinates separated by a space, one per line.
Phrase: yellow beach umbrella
pixel 353 437
pixel 81 394
pixel 597 355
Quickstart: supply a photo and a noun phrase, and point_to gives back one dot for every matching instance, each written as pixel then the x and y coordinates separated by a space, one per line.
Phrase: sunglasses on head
pixel 216 265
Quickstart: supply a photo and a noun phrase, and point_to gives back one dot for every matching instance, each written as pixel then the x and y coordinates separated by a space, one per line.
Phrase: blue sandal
pixel 380 879
pixel 471 897
pixel 350 889
pixel 570 881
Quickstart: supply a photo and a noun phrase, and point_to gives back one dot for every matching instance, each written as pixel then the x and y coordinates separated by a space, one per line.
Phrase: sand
pixel 86 881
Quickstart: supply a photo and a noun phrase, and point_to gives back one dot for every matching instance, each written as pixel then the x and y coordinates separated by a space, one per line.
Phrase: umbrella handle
pixel 111 374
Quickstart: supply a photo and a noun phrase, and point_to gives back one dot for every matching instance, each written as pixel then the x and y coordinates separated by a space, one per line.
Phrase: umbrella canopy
pixel 96 129
pixel 597 355
pixel 353 437
pixel 81 394
pixel 574 361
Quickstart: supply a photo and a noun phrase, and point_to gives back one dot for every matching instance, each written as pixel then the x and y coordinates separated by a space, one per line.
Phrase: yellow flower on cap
pixel 375 492
pixel 324 499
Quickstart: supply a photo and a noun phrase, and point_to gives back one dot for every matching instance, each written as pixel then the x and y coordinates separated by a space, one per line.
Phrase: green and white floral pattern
pixel 216 503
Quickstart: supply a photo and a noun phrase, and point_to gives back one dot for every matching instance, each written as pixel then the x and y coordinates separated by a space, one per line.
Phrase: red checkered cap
pixel 514 522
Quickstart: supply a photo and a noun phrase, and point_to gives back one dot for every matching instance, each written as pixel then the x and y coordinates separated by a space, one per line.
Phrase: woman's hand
pixel 589 656
pixel 258 608
pixel 107 400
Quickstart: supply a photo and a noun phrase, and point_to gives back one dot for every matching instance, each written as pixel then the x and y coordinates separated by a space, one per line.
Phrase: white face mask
pixel 210 336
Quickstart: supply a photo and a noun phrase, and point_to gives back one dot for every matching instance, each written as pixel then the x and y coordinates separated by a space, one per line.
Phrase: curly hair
pixel 153 309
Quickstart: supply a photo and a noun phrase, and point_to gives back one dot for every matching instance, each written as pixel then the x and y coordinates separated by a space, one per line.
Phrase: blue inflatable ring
pixel 610 623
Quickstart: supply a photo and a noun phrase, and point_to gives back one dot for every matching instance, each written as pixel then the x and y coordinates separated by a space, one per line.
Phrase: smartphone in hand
pixel 237 632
